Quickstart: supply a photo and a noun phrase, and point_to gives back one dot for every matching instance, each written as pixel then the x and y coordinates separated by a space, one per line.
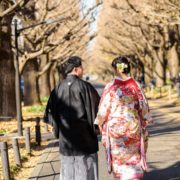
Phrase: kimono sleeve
pixel 104 107
pixel 90 98
pixel 144 110
pixel 50 115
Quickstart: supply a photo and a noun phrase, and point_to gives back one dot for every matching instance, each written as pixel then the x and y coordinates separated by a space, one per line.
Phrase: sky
pixel 86 4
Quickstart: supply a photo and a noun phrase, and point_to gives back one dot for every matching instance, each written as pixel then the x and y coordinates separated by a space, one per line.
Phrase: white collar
pixel 118 78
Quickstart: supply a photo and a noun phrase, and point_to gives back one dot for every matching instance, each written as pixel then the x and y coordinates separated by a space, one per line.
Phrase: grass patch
pixel 3 131
pixel 14 169
pixel 177 102
pixel 160 92
pixel 36 109
pixel 24 158
pixel 44 99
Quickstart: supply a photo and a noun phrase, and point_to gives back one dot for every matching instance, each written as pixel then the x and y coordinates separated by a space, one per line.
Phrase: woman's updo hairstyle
pixel 122 63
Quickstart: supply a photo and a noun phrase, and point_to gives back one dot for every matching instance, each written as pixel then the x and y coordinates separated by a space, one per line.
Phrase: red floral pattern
pixel 123 116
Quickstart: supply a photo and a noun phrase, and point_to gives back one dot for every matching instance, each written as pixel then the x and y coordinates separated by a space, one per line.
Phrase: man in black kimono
pixel 72 108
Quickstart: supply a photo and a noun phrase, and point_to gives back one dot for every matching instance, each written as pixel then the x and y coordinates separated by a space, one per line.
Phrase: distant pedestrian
pixel 178 84
pixel 122 118
pixel 72 108
pixel 141 80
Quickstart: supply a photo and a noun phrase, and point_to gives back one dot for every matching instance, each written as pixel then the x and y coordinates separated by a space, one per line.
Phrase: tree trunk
pixel 44 84
pixel 173 61
pixel 52 77
pixel 57 76
pixel 160 69
pixel 7 70
pixel 7 84
pixel 44 81
pixel 31 91
pixel 148 69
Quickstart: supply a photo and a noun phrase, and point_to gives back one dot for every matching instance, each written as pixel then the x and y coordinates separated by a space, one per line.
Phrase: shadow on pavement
pixel 163 124
pixel 170 173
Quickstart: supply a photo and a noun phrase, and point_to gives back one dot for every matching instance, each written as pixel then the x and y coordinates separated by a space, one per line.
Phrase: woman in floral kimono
pixel 122 119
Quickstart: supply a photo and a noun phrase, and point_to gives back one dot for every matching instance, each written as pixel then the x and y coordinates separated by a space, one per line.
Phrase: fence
pixel 158 92
pixel 16 149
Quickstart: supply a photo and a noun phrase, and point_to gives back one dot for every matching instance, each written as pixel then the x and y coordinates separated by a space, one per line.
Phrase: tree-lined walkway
pixel 163 152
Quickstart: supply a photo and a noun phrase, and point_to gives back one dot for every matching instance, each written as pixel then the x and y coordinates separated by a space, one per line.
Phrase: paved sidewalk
pixel 163 152
pixel 164 144
pixel 166 107
pixel 49 164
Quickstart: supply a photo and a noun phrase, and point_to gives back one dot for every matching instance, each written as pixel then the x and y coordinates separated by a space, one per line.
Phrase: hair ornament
pixel 121 66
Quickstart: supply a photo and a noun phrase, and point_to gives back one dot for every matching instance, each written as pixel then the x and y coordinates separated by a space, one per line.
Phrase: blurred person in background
pixel 177 81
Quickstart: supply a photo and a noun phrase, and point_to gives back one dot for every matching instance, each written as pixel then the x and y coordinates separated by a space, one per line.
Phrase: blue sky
pixel 89 3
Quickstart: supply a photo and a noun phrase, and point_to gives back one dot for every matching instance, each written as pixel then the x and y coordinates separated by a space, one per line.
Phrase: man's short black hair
pixel 71 63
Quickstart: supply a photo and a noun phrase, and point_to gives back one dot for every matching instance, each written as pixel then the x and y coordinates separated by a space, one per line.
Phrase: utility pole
pixel 17 82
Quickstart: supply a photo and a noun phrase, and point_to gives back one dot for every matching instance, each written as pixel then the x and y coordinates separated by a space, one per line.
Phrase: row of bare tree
pixel 56 30
pixel 147 31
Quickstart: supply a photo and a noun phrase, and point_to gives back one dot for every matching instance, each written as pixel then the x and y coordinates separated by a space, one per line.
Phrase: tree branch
pixel 11 9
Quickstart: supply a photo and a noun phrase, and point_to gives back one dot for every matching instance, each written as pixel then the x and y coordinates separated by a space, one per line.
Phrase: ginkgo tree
pixel 148 31
pixel 44 47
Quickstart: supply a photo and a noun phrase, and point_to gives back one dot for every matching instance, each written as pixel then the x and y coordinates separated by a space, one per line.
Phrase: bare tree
pixel 148 30
pixel 7 71
pixel 68 35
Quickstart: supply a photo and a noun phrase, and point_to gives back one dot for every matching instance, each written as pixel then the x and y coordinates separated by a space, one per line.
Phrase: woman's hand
pixel 100 128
